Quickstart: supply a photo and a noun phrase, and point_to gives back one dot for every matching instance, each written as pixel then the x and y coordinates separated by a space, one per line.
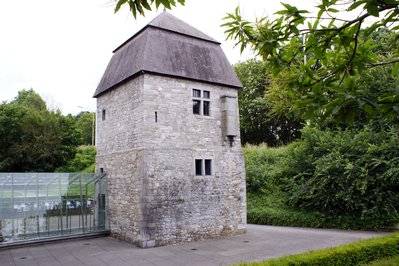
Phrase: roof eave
pixel 141 72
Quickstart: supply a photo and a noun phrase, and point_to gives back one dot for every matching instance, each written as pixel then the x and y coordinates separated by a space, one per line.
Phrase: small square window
pixel 206 94
pixel 196 93
pixel 208 167
pixel 206 108
pixel 196 107
pixel 198 167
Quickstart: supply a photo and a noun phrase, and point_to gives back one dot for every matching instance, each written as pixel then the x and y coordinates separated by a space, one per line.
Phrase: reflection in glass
pixel 196 107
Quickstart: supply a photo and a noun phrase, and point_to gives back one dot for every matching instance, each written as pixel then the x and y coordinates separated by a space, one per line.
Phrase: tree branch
pixel 384 63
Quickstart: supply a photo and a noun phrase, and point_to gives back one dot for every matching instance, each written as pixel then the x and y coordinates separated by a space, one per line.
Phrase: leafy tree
pixel 139 6
pixel 33 138
pixel 85 124
pixel 257 125
pixel 317 59
pixel 30 98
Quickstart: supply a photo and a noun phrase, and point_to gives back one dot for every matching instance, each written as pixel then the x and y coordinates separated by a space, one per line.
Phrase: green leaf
pixel 166 3
pixel 119 4
pixel 373 10
pixel 356 4
pixel 333 10
pixel 395 69
pixel 133 8
pixel 146 5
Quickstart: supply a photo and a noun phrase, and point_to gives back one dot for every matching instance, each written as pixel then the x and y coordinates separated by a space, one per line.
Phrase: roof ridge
pixel 166 17
pixel 181 27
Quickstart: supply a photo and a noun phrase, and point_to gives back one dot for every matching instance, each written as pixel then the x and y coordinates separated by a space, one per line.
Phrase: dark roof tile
pixel 169 46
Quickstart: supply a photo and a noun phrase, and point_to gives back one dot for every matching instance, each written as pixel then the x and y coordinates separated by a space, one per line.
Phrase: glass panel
pixel 198 167
pixel 196 93
pixel 206 94
pixel 34 206
pixel 206 106
pixel 208 167
pixel 196 107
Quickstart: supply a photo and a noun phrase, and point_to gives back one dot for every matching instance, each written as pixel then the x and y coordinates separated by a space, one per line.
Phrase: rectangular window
pixel 205 108
pixel 208 167
pixel 198 167
pixel 196 93
pixel 203 167
pixel 103 114
pixel 196 107
pixel 201 106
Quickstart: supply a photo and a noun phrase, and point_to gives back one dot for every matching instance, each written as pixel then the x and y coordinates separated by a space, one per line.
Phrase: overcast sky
pixel 61 48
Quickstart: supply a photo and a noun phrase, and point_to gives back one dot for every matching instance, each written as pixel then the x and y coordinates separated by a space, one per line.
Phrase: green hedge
pixel 356 253
pixel 300 218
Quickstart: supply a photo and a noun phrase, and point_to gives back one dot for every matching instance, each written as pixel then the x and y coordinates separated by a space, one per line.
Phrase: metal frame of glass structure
pixel 38 206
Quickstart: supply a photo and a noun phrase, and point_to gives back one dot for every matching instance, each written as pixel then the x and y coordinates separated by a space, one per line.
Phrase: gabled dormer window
pixel 201 102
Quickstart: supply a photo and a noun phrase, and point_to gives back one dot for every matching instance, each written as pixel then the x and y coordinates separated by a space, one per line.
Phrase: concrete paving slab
pixel 259 243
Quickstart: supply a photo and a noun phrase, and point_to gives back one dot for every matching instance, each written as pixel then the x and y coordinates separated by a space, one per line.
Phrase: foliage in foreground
pixel 356 253
pixel 318 58
pixel 139 6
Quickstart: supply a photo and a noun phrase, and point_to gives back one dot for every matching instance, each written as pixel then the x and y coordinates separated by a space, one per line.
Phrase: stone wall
pixel 148 144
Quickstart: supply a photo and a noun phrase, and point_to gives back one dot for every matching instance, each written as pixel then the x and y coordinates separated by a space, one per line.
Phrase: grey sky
pixel 61 48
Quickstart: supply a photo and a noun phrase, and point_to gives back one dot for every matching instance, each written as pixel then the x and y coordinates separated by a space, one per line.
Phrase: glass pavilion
pixel 42 206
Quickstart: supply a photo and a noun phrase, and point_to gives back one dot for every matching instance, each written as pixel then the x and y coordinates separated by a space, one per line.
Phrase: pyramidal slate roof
pixel 170 47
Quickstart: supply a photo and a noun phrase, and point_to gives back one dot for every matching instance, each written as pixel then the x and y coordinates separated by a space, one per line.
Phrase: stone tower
pixel 168 137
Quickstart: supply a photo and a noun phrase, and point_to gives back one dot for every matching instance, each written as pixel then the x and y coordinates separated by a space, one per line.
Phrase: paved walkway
pixel 261 242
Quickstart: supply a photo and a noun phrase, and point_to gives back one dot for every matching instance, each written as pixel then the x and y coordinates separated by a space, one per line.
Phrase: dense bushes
pixel 265 168
pixel 356 253
pixel 347 172
pixel 84 161
pixel 342 178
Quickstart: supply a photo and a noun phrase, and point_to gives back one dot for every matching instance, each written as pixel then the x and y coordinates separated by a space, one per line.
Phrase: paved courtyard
pixel 261 242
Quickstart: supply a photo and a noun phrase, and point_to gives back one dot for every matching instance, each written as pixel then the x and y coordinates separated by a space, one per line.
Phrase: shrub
pixel 265 168
pixel 347 172
pixel 356 253
pixel 84 160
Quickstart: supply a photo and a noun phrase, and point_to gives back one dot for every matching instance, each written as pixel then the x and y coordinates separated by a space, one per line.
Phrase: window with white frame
pixel 203 167
pixel 201 102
